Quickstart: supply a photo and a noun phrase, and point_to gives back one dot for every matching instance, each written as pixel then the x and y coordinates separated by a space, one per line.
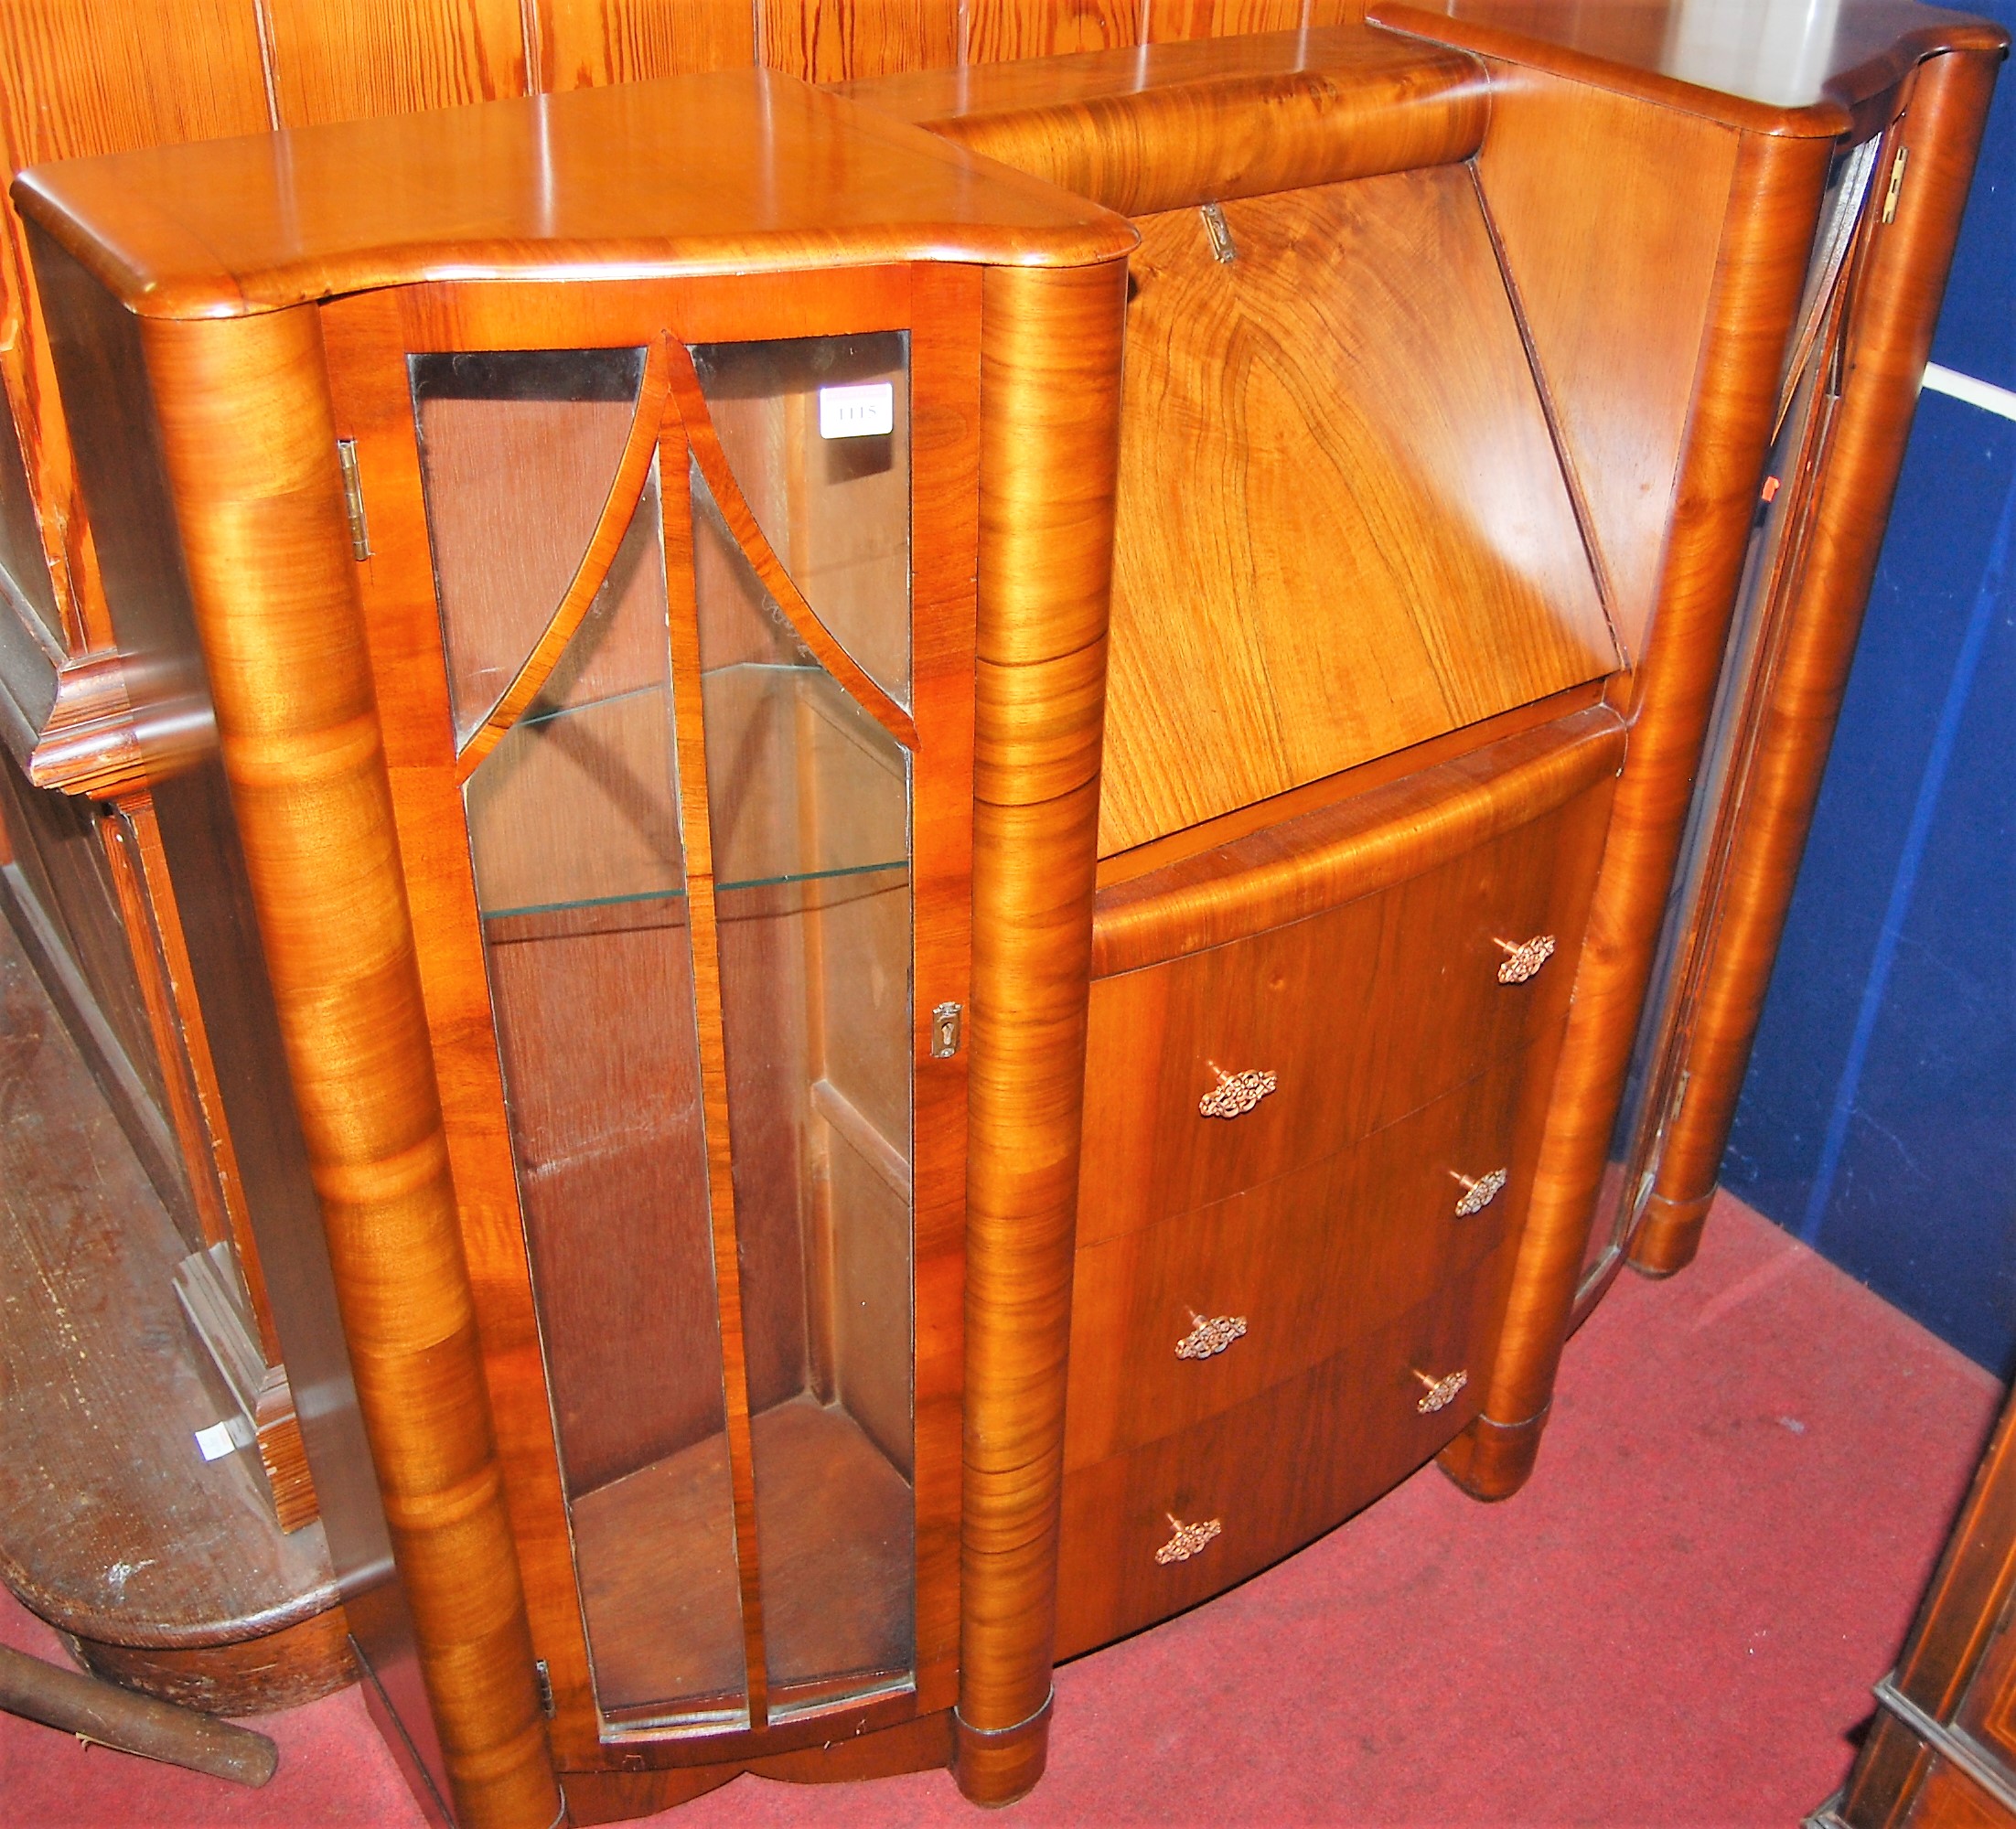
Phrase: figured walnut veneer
pixel 1341 528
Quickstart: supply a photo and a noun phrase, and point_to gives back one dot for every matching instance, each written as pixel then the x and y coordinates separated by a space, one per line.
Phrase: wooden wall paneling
pixel 343 63
pixel 248 438
pixel 1893 311
pixel 1614 320
pixel 1163 20
pixel 583 43
pixel 1050 412
pixel 1773 201
pixel 1376 546
pixel 998 31
pixel 837 40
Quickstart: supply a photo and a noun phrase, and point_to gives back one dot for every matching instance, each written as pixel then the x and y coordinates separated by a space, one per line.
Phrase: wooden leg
pixel 1669 1234
pixel 1491 1461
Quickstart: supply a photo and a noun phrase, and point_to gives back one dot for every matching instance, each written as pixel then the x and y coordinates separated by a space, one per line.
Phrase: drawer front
pixel 1181 1319
pixel 1148 1533
pixel 1353 1018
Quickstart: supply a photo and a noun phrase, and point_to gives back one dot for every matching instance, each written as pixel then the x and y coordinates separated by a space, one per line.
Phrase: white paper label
pixel 867 409
pixel 215 1443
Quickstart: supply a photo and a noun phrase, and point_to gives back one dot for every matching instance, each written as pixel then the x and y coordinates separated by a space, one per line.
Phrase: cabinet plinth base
pixel 1669 1234
pixel 1491 1461
pixel 1001 1766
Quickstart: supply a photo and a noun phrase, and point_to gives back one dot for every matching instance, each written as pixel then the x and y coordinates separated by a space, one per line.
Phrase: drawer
pixel 1300 1264
pixel 1356 1016
pixel 1270 1474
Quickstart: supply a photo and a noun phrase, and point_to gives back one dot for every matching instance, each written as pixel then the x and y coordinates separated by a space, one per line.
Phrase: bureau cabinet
pixel 1482 360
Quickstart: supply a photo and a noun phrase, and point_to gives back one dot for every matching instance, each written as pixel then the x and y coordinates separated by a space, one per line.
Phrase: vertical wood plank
pixel 584 43
pixel 1165 20
pixel 1000 31
pixel 838 40
pixel 388 57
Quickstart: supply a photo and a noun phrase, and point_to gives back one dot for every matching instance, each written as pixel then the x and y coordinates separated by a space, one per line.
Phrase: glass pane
pixel 809 805
pixel 21 557
pixel 817 431
pixel 1656 1084
pixel 518 449
pixel 574 830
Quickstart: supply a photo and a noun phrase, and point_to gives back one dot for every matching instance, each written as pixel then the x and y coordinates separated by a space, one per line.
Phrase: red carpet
pixel 1749 1472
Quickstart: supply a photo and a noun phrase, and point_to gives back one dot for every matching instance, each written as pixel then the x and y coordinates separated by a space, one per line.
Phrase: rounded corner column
pixel 1774 201
pixel 1050 369
pixel 1490 1460
pixel 1669 1234
pixel 248 440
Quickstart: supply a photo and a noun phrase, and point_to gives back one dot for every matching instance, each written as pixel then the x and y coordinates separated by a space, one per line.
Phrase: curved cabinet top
pixel 739 171
pixel 1798 71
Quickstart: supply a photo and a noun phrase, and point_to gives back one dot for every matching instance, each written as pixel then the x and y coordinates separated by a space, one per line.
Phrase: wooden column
pixel 1050 365
pixel 1889 337
pixel 248 440
pixel 1773 202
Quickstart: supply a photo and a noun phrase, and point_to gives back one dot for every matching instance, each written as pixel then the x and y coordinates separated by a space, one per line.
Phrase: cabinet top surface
pixel 1779 66
pixel 1340 54
pixel 741 171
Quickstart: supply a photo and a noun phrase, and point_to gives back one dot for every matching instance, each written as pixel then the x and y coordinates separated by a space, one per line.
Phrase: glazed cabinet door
pixel 684 790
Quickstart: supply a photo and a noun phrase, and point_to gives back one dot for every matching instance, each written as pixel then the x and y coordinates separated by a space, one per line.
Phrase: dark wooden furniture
pixel 671 874
pixel 1941 1753
pixel 162 1569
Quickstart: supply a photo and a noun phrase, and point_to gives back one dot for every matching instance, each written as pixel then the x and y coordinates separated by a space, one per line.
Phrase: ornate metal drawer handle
pixel 1210 1336
pixel 1236 1094
pixel 1526 959
pixel 1479 1194
pixel 1441 1393
pixel 1188 1540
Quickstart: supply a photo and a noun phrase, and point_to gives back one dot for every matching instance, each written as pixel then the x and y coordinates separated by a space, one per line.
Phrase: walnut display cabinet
pixel 625 576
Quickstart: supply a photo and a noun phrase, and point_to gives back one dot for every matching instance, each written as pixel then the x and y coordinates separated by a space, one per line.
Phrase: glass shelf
pixel 564 785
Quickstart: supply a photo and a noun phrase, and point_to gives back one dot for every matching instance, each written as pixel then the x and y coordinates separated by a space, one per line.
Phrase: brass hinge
pixel 543 1681
pixel 353 498
pixel 1219 232
pixel 1897 182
